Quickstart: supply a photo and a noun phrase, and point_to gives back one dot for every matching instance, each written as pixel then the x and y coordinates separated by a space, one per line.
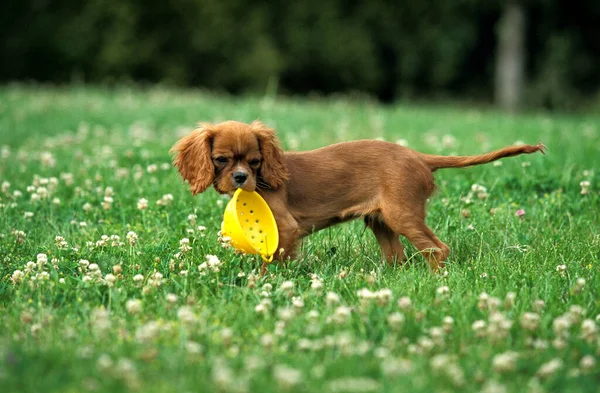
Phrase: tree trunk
pixel 510 57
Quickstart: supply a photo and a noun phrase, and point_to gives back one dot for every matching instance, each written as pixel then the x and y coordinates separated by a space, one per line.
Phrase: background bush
pixel 390 49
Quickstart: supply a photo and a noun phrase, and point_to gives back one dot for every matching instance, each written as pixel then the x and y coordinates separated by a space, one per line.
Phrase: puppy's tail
pixel 436 162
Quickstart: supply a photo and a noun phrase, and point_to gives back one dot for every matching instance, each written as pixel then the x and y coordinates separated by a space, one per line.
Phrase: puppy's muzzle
pixel 239 178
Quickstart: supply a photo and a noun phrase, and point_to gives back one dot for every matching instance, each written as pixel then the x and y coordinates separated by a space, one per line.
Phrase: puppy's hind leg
pixel 391 248
pixel 412 226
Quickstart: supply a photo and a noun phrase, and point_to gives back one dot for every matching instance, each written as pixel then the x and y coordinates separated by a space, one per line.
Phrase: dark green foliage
pixel 389 49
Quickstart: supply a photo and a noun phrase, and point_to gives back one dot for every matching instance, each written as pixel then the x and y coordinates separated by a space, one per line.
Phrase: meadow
pixel 112 277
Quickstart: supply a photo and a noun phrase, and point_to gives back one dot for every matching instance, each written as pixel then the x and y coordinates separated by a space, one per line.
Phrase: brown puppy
pixel 383 182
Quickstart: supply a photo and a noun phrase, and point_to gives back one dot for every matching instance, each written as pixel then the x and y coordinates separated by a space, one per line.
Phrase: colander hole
pixel 244 204
pixel 250 228
pixel 251 211
pixel 256 221
pixel 260 231
pixel 247 220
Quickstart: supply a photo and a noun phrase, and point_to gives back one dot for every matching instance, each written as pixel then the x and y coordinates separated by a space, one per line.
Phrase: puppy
pixel 384 183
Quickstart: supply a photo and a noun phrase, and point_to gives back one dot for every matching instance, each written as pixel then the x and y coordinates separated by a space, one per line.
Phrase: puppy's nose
pixel 240 177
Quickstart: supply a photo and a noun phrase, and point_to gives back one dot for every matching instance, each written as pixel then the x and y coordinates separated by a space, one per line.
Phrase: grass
pixel 516 309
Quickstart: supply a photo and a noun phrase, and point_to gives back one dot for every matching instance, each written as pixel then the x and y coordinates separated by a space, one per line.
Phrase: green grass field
pixel 100 293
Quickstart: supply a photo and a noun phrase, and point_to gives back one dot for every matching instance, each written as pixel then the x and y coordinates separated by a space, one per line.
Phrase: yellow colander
pixel 249 223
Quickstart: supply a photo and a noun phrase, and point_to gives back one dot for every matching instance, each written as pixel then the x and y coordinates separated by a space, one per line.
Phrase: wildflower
pixel 61 243
pixel 287 287
pixel 87 207
pixel 448 324
pixel 404 303
pixel 332 298
pixel 166 200
pixel 395 320
pixel 530 321
pixel 17 276
pixel 316 284
pixel 264 306
pixel 171 298
pixel 443 291
pixel 341 315
pixel 298 302
pixel 193 347
pixel 286 377
pixel 396 367
pixel 132 238
pixel 151 168
pixel 538 305
pixel 561 326
pixel 587 363
pixel 142 204
pixel 505 362
pixel 133 306
pixel 548 369
pixel 585 185
pixel 383 296
pixel 184 245
pixel 110 279
pixel 27 215
pixel 186 315
pixel 20 235
pixel 138 278
pixel 107 203
pixel 589 330
pixel 479 328
pixel 147 332
pixel 509 300
pixel 520 213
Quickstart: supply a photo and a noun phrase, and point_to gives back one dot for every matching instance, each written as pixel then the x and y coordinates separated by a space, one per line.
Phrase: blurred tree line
pixel 387 48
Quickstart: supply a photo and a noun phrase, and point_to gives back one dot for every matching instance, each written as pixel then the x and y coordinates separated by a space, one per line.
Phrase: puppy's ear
pixel 272 170
pixel 193 160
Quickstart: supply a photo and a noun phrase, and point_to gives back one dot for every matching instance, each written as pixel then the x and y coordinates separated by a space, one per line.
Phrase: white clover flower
pixel 443 291
pixel 184 245
pixel 405 303
pixel 530 321
pixel 332 298
pixel 298 302
pixel 110 279
pixel 585 185
pixel 166 200
pixel 505 362
pixel 286 377
pixel 287 286
pixel 316 285
pixel 138 278
pixel 448 324
pixel 142 204
pixel 561 326
pixel 589 330
pixel 171 298
pixel 479 328
pixel 17 276
pixel 395 320
pixel 186 315
pixel 132 238
pixel 384 296
pixel 341 315
pixel 133 306
pixel 550 368
pixel 587 363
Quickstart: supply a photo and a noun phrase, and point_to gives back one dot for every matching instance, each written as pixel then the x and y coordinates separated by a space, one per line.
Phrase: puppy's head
pixel 230 155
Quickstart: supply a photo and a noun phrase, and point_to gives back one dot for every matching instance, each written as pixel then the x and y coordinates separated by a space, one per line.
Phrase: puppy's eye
pixel 221 160
pixel 254 162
